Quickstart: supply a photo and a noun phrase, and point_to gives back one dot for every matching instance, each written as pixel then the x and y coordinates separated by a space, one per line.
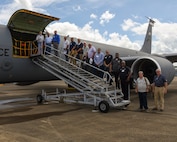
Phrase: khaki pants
pixel 159 97
pixel 73 53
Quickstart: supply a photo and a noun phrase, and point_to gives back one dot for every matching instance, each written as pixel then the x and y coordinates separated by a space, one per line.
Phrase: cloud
pixel 93 16
pixel 106 17
pixel 108 3
pixel 41 4
pixel 122 41
pixel 6 10
pixel 164 35
pixel 86 32
pixel 164 38
pixel 128 24
pixel 105 34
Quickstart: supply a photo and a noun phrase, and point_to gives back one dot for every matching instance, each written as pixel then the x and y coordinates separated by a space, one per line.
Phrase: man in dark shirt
pixel 72 51
pixel 79 49
pixel 125 74
pixel 114 68
pixel 159 88
pixel 107 62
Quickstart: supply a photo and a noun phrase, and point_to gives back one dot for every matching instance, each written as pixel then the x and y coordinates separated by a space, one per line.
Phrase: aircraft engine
pixel 149 64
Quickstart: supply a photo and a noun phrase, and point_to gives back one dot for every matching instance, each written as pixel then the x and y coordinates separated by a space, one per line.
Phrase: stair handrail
pixel 60 54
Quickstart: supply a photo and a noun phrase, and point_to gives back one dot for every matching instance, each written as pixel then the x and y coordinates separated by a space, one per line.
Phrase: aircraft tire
pixel 103 106
pixel 39 99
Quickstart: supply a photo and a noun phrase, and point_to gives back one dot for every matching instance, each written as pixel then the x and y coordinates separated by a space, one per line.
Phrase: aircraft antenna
pixel 150 19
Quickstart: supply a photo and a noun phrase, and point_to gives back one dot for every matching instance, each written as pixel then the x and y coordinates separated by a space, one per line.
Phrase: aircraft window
pixel 24 49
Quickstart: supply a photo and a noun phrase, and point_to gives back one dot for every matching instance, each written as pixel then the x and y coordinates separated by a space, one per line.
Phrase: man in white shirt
pixel 66 48
pixel 40 40
pixel 48 43
pixel 91 51
pixel 90 57
pixel 85 53
pixel 85 50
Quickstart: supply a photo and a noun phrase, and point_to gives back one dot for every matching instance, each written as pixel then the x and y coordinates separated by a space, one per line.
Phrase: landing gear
pixel 39 99
pixel 103 106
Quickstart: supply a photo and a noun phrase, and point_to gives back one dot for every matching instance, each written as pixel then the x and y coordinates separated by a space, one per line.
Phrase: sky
pixel 118 22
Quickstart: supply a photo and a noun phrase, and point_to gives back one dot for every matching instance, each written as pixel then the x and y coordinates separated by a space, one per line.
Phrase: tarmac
pixel 23 120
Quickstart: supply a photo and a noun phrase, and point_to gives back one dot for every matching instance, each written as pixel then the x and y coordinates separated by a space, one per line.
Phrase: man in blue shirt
pixel 56 42
pixel 159 88
pixel 98 62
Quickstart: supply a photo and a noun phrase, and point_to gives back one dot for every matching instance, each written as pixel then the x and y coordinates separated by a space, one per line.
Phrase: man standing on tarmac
pixel 125 75
pixel 159 86
pixel 142 87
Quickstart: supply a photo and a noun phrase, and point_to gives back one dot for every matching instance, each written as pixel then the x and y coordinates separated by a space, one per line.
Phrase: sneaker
pixel 161 109
pixel 146 110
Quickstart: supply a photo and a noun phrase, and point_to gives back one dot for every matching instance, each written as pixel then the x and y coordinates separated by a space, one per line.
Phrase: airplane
pixel 18 41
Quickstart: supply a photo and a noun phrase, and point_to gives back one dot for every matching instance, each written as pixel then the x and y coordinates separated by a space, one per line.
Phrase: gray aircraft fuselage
pixel 17 66
pixel 14 69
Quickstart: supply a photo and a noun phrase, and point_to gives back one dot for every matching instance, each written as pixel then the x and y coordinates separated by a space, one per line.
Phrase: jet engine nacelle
pixel 149 64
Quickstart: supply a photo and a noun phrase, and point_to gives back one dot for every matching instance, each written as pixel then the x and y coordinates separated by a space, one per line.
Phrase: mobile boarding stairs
pixel 93 90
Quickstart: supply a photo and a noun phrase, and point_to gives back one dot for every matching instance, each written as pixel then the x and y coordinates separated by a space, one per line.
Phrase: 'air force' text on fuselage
pixel 4 52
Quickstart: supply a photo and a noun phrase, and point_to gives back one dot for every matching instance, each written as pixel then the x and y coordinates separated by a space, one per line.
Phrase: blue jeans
pixel 143 100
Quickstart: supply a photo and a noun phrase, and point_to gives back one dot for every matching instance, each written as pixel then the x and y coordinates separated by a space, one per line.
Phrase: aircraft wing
pixel 171 57
pixel 130 58
pixel 29 21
